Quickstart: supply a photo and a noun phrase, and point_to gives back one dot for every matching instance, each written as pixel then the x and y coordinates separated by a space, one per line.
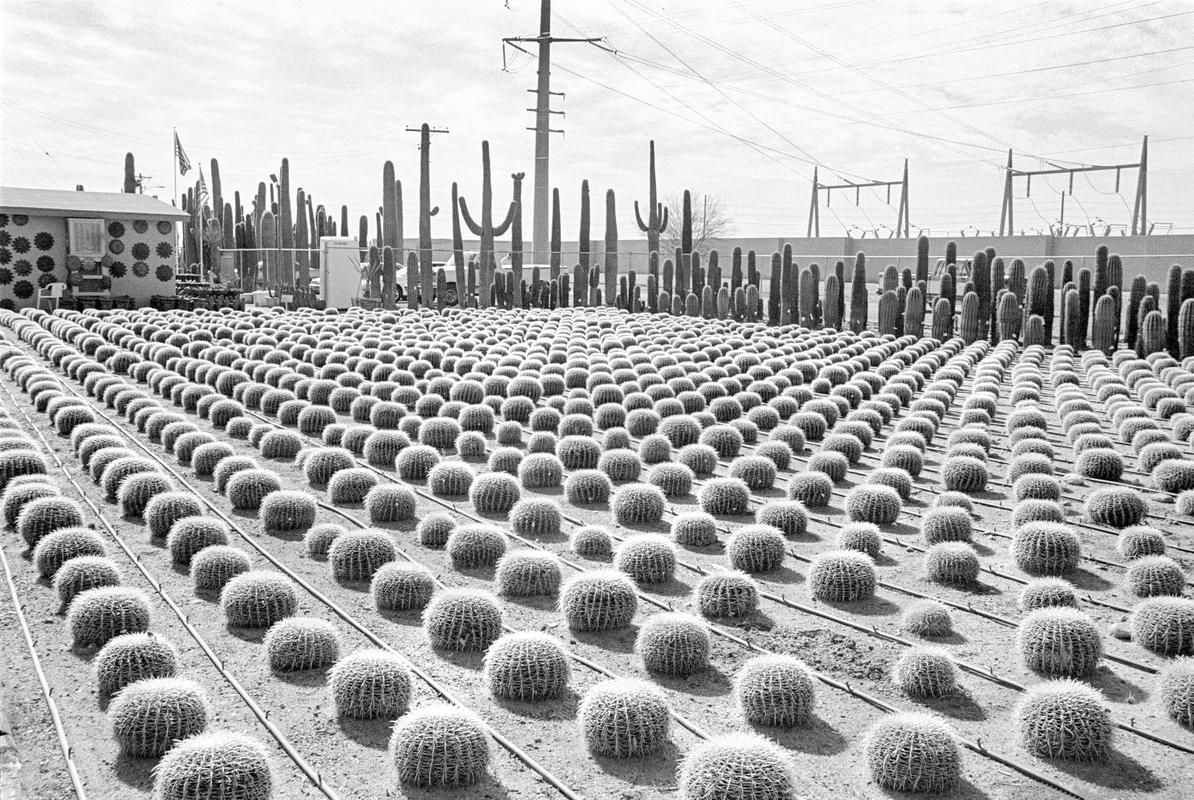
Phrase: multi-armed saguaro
pixel 486 229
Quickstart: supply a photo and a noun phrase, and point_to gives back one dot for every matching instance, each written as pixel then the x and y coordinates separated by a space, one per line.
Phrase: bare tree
pixel 710 222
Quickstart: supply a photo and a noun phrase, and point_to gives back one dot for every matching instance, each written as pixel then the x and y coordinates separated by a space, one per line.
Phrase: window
pixel 86 237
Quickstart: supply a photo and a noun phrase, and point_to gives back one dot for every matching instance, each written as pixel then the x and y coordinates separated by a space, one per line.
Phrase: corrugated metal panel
pixel 14 200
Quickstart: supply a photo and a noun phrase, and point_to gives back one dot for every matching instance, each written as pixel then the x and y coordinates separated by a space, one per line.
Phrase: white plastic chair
pixel 51 292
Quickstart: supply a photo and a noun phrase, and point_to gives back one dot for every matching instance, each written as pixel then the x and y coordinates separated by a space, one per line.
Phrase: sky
pixel 742 98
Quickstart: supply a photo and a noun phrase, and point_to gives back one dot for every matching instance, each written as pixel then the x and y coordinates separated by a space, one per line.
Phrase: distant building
pixel 106 246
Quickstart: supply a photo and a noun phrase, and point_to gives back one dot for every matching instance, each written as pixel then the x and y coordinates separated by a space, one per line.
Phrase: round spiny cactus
pixel 789 516
pixel 401 586
pixel 1175 690
pixel 214 766
pixel 675 644
pixel 873 503
pixel 842 576
pixel 149 716
pixel 674 480
pixel 1027 512
pixel 494 493
pixel 1045 548
pixel 1064 719
pixel 536 517
pixel 1060 642
pixel 390 503
pixel 638 504
pixel 699 458
pixel 756 548
pixel 814 489
pixel 624 718
pixel 98 615
pixel 1139 541
pixel 357 555
pixel 137 490
pixel 694 529
pixel 912 753
pixel 370 684
pixel 1100 464
pixel 602 600
pixel 1174 476
pixel 475 546
pixel 527 667
pixel 434 529
pixel 215 565
pixel 925 672
pixel 320 464
pixel 727 594
pixel 527 573
pixel 587 487
pixel 287 511
pixel 964 474
pixel 951 563
pixel 647 558
pixel 81 573
pixel 383 447
pixel 280 445
pixel 776 691
pixel 863 537
pixel 247 488
pixel 1154 576
pixel 62 545
pixel 44 515
pixel 258 599
pixel 834 465
pixel 14 463
pixel 229 467
pixel 927 618
pixel 1047 593
pixel 297 644
pixel 1165 625
pixel 17 496
pixel 1116 508
pixel 591 541
pixel 540 471
pixel 133 657
pixel 189 535
pixel 351 486
pixel 462 620
pixel 747 766
pixel 954 500
pixel 440 746
pixel 578 452
pixel 725 497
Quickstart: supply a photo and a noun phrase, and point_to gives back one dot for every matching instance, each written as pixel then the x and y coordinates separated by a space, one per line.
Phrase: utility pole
pixel 141 180
pixel 543 130
pixel 902 228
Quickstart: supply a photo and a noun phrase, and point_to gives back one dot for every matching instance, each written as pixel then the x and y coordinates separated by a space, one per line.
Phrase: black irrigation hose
pixel 376 640
pixel 46 690
pixel 310 772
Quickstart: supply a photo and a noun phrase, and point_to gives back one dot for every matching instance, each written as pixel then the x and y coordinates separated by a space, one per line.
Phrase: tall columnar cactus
pixel 388 276
pixel 1102 276
pixel 130 175
pixel 656 211
pixel 611 246
pixel 753 303
pixel 1071 317
pixel 269 250
pixel 817 312
pixel 412 286
pixel 1135 295
pixel 922 258
pixel 684 260
pixel 736 270
pixel 556 241
pixel 891 278
pixel 284 222
pixel 806 297
pixel 486 230
pixel 708 300
pixel 1152 334
pixel 951 253
pixel 969 323
pixel 1173 304
pixel 1185 329
pixel 789 286
pixel 833 296
pixel 1007 316
pixel 889 309
pixel 981 275
pixel 1102 327
pixel 775 289
pixel 457 246
pixel 514 287
pixel 723 302
pixel 1050 302
pixel 914 313
pixel 948 292
pixel 426 210
pixel 583 263
pixel 1017 279
pixel 858 294
pixel 669 272
pixel 997 277
pixel 839 270
pixel 391 223
pixel 1084 305
pixel 698 274
pixel 943 320
pixel 713 273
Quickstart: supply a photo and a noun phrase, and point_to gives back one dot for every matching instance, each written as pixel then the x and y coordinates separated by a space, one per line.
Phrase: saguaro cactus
pixel 1102 328
pixel 833 296
pixel 969 322
pixel 858 294
pixel 775 288
pixel 516 245
pixel 611 245
pixel 943 320
pixel 981 275
pixel 922 258
pixel 656 211
pixel 556 242
pixel 487 230
pixel 388 276
pixel 130 175
pixel 1173 304
pixel 914 312
pixel 458 246
pixel 889 309
pixel 583 265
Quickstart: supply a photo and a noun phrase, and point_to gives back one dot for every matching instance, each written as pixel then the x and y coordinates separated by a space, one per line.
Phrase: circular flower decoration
pixel 5 276
pixel 117 246
pixel 140 269
pixel 5 238
pixel 45 263
pixel 74 262
pixel 22 267
pixel 7 304
pixel 140 225
pixel 43 240
pixel 165 226
pixel 5 255
pixel 20 219
pixel 45 279
pixel 21 244
pixel 117 269
pixel 116 229
pixel 164 249
pixel 23 289
pixel 140 251
pixel 164 273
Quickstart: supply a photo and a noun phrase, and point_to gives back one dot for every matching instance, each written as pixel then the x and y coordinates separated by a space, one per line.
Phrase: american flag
pixel 184 163
pixel 204 197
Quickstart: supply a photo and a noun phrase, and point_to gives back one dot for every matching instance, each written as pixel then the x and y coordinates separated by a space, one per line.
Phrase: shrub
pixel 462 620
pixel 813 489
pixel 81 573
pixel 288 511
pixel 911 752
pixel 370 684
pixel 527 573
pixel 1059 642
pixel 602 600
pixel 475 546
pixel 44 515
pixel 57 548
pixel 1064 719
pixel 149 716
pixel 624 718
pixel 101 614
pixel 1165 625
pixel 1154 576
pixel 133 657
pixel 927 618
pixel 215 565
pixel 1047 593
pixel 189 535
pixel 298 644
pixel 1045 548
pixel 873 503
pixel 728 594
pixel 842 576
pixel 536 517
pixel 951 563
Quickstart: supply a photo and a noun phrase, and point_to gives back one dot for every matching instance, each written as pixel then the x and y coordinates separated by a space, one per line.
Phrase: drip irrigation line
pixel 47 691
pixel 347 618
pixel 274 731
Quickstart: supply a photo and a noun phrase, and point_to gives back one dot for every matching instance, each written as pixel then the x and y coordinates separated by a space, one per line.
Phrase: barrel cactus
pixel 624 718
pixel 1064 719
pixel 911 752
pixel 150 715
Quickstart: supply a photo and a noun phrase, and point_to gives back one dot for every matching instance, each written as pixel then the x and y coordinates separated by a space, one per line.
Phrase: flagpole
pixel 174 162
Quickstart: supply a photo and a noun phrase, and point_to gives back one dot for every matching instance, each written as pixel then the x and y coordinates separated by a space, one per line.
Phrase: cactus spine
pixel 486 230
